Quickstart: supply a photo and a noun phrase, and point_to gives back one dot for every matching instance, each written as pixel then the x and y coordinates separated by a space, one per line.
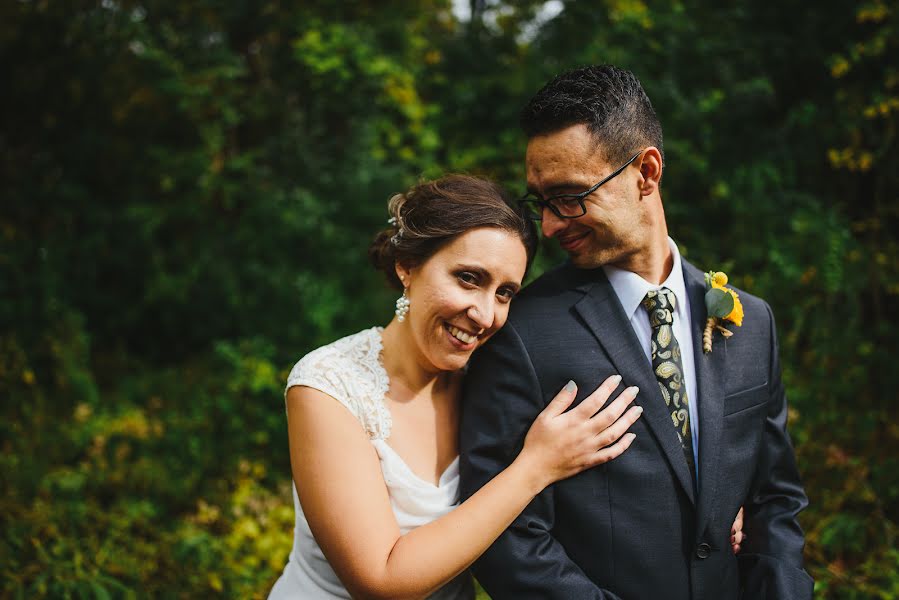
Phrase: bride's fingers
pixel 736 542
pixel 608 435
pixel 737 537
pixel 562 401
pixel 738 522
pixel 614 451
pixel 592 403
pixel 613 411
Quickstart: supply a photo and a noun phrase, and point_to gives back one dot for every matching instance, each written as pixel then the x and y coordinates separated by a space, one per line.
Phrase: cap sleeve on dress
pixel 320 370
pixel 349 370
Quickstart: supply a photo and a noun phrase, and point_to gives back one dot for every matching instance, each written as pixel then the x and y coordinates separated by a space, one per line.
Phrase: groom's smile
pixel 571 242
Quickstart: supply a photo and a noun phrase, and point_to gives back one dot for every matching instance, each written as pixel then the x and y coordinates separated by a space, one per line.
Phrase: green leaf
pixel 99 591
pixel 718 303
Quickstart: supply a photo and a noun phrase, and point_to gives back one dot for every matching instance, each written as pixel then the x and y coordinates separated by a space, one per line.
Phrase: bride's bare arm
pixel 340 485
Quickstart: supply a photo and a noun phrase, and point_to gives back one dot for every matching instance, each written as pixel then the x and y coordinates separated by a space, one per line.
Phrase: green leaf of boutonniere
pixel 718 303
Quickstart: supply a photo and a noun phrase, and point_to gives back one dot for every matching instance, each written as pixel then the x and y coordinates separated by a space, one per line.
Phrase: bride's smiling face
pixel 460 296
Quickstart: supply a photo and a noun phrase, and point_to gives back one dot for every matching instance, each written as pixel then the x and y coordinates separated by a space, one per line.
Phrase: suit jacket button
pixel 703 550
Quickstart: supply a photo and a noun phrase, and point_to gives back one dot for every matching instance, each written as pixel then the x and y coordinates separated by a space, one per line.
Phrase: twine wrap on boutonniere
pixel 722 306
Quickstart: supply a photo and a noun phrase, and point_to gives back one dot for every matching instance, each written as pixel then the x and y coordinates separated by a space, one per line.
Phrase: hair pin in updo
pixel 396 237
pixel 393 207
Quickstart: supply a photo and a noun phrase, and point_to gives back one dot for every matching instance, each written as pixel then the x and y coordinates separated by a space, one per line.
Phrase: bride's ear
pixel 402 273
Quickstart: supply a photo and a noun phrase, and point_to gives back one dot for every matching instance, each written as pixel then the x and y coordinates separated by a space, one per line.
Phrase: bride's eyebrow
pixel 476 269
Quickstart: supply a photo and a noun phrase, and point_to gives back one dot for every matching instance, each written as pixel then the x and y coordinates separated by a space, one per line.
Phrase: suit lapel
pixel 710 403
pixel 603 315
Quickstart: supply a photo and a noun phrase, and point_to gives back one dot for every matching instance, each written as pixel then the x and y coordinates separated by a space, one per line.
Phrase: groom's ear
pixel 650 171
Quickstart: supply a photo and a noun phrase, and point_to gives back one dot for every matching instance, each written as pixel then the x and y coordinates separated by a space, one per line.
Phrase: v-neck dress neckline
pixel 350 370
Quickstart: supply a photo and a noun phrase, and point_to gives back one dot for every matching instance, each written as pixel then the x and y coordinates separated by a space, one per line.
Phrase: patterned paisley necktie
pixel 668 368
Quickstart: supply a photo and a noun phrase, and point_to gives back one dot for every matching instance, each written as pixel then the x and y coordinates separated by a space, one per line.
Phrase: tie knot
pixel 660 304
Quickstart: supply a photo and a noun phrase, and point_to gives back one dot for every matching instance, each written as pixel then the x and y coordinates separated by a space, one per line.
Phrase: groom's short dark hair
pixel 607 99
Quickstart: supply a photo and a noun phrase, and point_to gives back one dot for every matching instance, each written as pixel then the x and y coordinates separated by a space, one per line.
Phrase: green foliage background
pixel 189 189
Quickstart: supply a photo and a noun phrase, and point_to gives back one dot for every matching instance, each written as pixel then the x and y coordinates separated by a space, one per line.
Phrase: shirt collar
pixel 631 288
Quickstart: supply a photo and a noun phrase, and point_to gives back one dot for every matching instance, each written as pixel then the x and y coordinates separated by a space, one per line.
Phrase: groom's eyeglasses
pixel 566 206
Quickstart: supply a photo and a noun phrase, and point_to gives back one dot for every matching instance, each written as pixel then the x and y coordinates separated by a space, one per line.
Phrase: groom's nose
pixel 551 224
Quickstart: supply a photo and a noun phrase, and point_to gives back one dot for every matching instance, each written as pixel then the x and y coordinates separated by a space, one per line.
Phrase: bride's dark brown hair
pixel 432 213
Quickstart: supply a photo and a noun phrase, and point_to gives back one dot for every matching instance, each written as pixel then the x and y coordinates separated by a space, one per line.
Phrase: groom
pixel 655 522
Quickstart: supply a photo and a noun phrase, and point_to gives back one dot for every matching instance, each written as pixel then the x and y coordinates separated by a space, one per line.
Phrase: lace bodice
pixel 350 370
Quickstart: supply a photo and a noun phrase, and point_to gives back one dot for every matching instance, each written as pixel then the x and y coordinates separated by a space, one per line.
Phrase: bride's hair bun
pixel 432 213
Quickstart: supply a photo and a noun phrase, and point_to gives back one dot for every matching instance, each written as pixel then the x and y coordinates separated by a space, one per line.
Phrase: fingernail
pixel 570 386
pixel 616 379
pixel 633 390
pixel 639 410
pixel 630 436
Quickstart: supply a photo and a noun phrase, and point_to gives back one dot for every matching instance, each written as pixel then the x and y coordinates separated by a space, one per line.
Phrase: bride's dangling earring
pixel 402 307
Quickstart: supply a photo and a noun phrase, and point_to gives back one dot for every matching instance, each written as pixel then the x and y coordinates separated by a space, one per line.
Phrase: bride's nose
pixel 482 313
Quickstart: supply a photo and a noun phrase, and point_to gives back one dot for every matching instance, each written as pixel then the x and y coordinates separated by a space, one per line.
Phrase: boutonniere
pixel 722 306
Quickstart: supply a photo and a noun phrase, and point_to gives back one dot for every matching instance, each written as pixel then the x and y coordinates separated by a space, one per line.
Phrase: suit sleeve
pixel 771 559
pixel 501 399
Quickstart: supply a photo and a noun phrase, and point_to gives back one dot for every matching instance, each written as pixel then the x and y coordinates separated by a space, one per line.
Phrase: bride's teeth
pixel 461 335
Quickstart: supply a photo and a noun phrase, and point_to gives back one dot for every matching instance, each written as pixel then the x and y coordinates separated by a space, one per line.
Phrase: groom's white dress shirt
pixel 631 289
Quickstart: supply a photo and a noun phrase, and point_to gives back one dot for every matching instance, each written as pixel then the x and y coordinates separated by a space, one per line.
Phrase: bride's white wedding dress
pixel 350 370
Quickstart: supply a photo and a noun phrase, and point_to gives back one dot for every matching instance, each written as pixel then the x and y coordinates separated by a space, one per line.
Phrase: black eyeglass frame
pixel 529 201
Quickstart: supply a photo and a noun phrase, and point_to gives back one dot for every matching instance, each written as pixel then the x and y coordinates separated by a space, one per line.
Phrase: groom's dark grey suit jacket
pixel 633 528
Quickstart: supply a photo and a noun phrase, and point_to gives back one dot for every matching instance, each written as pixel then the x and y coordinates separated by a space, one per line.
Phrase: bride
pixel 373 418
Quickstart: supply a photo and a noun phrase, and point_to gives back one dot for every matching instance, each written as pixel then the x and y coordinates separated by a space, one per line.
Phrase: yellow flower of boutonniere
pixel 722 305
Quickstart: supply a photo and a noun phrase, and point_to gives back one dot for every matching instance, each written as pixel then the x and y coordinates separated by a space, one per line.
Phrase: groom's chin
pixel 586 260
